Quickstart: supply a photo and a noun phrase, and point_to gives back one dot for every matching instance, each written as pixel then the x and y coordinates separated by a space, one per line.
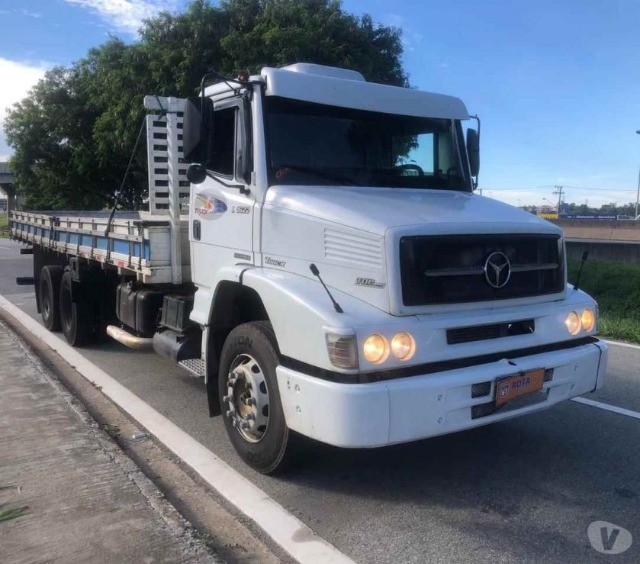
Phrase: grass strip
pixel 4 225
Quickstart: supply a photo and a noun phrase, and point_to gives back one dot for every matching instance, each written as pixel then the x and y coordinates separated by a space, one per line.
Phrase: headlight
pixel 375 349
pixel 588 320
pixel 403 345
pixel 343 350
pixel 572 323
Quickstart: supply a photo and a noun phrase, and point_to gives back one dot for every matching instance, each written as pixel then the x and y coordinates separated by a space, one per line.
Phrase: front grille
pixel 493 331
pixel 450 269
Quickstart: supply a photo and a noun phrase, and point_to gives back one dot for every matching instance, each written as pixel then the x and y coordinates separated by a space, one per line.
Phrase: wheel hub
pixel 46 305
pixel 247 398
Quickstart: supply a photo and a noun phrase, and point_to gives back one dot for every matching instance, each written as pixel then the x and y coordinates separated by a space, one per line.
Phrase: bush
pixel 616 288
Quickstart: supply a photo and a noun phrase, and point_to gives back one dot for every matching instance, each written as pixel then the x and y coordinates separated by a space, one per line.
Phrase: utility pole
pixel 638 192
pixel 560 193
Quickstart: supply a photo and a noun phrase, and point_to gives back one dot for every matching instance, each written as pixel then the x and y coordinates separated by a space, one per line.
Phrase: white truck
pixel 325 265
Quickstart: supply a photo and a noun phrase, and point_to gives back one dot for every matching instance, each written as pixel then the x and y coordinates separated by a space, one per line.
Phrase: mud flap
pixel 210 340
pixel 212 397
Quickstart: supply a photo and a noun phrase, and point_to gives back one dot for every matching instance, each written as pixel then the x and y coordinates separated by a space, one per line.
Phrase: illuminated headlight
pixel 375 349
pixel 588 319
pixel 343 350
pixel 403 346
pixel 572 323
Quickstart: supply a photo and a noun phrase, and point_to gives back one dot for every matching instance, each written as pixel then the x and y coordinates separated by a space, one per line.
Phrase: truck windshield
pixel 314 144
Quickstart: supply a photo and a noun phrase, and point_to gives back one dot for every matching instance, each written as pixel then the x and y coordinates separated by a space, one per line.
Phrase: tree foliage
pixel 73 135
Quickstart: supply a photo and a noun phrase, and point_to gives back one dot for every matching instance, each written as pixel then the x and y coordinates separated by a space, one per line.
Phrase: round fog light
pixel 588 320
pixel 403 345
pixel 573 323
pixel 376 349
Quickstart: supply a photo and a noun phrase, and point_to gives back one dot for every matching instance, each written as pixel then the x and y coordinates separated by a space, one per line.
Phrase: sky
pixel 556 83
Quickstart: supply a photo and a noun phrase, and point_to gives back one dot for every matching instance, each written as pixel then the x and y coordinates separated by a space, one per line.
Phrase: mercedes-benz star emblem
pixel 497 269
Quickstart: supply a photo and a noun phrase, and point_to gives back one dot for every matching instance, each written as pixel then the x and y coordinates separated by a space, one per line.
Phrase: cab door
pixel 221 230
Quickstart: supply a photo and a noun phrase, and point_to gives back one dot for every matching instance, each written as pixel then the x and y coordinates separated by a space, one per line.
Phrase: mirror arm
pixel 477 118
pixel 478 122
pixel 240 187
pixel 242 80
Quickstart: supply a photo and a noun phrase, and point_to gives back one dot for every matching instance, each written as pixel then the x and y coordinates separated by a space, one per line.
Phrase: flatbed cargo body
pixel 137 243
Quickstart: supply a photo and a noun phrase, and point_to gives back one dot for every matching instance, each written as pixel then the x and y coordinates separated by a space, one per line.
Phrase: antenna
pixel 314 270
pixel 585 256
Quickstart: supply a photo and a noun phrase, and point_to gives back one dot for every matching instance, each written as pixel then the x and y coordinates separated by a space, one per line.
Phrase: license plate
pixel 518 385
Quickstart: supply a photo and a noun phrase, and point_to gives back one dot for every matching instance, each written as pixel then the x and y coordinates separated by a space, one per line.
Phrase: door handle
pixel 196 229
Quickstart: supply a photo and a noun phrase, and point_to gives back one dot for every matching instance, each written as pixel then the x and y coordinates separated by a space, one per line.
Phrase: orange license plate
pixel 515 386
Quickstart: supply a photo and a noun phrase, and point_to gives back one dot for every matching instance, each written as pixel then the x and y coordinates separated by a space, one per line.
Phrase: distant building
pixel 546 212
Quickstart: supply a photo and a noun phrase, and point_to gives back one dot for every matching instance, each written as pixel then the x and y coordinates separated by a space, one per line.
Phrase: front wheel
pixel 250 399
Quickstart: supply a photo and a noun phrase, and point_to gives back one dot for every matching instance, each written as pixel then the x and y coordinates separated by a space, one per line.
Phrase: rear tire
pixel 77 318
pixel 250 399
pixel 49 294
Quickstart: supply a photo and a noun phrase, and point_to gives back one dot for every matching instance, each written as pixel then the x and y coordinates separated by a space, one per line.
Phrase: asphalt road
pixel 520 490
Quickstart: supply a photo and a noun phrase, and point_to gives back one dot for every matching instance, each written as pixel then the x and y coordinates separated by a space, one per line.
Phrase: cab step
pixel 195 366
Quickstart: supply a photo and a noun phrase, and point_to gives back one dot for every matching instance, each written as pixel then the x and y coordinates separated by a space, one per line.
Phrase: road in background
pixel 524 489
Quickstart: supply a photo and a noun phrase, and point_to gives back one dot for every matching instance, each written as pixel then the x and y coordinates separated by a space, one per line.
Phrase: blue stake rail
pixel 137 244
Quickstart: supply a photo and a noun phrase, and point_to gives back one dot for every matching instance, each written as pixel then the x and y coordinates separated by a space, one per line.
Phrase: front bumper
pixel 417 407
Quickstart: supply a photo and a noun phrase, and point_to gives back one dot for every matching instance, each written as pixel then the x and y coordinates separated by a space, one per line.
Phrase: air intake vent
pixel 494 331
pixel 489 408
pixel 480 389
pixel 357 250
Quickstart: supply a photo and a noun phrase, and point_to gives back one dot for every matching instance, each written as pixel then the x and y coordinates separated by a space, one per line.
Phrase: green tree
pixel 72 137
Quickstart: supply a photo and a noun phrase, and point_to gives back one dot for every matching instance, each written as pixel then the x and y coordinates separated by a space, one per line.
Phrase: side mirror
pixel 197 130
pixel 473 150
pixel 196 173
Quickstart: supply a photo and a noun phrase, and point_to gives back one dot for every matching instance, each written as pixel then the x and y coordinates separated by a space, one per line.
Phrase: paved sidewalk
pixel 87 502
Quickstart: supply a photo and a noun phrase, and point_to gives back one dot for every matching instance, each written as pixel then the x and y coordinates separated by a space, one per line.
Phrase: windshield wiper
pixel 320 173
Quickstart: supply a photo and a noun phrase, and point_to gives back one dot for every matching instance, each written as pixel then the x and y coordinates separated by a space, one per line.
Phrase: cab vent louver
pixel 357 250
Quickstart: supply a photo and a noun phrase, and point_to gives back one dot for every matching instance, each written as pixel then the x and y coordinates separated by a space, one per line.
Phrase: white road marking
pixel 284 528
pixel 607 407
pixel 621 344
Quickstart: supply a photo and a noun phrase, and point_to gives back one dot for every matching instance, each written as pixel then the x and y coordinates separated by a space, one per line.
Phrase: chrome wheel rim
pixel 247 399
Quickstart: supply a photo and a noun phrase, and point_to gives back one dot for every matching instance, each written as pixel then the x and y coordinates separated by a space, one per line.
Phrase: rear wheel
pixel 49 292
pixel 77 317
pixel 250 399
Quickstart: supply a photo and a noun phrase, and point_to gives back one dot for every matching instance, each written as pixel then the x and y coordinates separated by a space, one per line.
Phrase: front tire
pixel 250 399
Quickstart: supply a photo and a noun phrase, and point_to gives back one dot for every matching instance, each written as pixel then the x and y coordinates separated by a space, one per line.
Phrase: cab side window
pixel 222 158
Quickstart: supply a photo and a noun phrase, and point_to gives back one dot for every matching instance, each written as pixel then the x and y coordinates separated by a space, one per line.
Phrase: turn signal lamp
pixel 343 350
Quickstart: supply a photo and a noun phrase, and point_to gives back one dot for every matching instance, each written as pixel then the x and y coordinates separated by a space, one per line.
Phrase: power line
pixel 564 186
